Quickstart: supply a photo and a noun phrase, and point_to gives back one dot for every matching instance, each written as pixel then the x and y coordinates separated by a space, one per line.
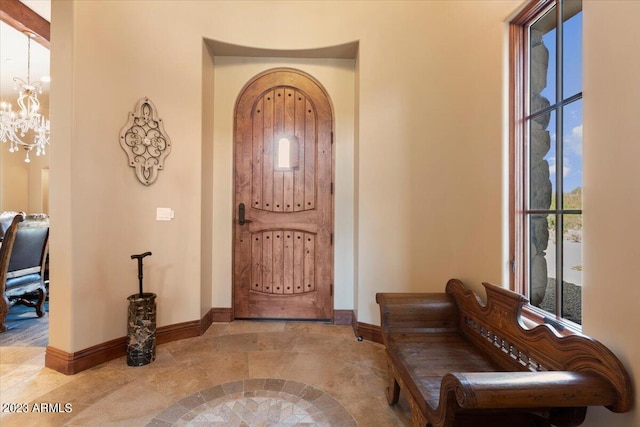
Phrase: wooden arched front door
pixel 283 179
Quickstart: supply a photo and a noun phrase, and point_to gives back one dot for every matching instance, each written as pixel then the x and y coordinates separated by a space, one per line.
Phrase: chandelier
pixel 26 128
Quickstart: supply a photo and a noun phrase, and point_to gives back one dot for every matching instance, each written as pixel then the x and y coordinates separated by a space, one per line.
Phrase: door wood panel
pixel 283 257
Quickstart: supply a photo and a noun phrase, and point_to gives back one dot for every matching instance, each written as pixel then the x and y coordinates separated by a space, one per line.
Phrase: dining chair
pixel 22 257
pixel 5 221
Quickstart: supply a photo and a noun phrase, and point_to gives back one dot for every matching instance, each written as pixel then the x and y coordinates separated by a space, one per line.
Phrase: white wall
pixel 612 187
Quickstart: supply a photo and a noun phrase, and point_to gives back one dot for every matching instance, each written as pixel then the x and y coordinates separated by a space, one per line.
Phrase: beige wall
pixel 37 184
pixel 428 154
pixel 612 186
pixel 21 184
pixel 14 181
pixel 428 163
pixel 207 259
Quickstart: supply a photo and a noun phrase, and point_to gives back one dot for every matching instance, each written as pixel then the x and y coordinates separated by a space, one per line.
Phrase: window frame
pixel 519 238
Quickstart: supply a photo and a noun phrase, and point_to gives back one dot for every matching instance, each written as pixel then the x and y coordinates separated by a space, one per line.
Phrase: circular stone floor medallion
pixel 257 403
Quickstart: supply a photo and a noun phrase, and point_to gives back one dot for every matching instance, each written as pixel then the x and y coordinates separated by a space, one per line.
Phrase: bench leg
pixel 417 419
pixel 393 390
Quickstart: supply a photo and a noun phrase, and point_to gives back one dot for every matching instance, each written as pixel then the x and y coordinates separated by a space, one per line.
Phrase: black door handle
pixel 241 219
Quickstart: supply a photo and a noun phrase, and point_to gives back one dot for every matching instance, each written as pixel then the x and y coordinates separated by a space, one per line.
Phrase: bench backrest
pixel 497 328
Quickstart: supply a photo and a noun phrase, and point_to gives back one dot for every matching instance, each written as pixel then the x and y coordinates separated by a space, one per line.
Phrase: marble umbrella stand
pixel 141 330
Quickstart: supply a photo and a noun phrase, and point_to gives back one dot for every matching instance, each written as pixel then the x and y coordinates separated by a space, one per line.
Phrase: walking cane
pixel 139 258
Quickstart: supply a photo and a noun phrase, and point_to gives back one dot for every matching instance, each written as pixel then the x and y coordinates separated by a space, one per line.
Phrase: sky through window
pixel 572 84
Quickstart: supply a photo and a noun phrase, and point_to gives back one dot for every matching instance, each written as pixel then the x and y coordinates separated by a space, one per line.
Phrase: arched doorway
pixel 283 196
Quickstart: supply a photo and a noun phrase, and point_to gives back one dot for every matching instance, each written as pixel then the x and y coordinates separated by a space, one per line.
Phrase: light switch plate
pixel 164 214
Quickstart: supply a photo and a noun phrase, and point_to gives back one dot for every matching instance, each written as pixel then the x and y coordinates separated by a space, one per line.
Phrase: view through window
pixel 549 209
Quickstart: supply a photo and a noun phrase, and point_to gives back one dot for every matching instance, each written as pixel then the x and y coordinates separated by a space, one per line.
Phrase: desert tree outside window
pixel 546 157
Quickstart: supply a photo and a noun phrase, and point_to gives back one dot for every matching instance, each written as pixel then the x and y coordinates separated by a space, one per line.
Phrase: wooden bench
pixel 460 362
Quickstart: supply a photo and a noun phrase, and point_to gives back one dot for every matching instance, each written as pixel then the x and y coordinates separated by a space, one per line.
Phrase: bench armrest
pixel 527 389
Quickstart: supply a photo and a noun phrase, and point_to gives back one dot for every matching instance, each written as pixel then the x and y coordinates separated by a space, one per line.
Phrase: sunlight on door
pixel 287 153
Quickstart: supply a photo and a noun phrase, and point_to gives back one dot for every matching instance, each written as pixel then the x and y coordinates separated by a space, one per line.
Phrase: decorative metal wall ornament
pixel 145 141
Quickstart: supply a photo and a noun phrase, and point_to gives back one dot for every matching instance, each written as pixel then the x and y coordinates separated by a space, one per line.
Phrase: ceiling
pixel 13 55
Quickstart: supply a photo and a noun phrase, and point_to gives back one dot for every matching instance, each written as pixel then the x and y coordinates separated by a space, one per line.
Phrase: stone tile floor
pixel 241 373
pixel 257 402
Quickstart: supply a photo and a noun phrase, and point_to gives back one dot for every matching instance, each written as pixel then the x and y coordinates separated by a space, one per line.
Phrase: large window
pixel 546 217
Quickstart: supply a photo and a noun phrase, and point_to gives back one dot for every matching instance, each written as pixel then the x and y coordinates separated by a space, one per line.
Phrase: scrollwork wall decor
pixel 145 141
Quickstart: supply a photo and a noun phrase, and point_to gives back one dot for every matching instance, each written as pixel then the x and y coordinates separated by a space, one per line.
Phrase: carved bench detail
pixel 505 346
